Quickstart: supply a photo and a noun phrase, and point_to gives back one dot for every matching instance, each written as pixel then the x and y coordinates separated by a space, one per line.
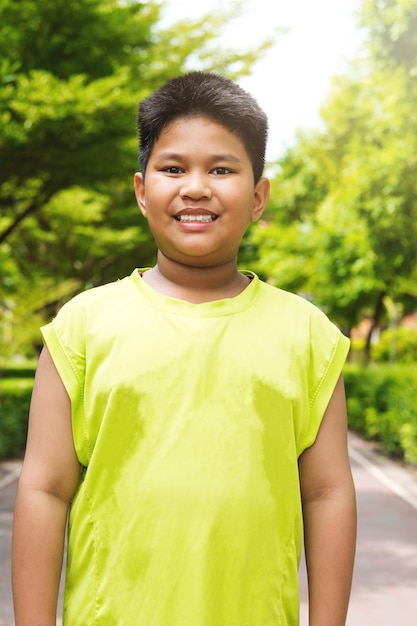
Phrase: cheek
pixel 239 195
pixel 161 196
pixel 242 207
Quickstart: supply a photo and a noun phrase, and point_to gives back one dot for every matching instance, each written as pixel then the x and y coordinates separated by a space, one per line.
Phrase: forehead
pixel 192 129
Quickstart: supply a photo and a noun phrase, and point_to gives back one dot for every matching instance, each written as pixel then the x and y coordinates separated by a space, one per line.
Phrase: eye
pixel 221 171
pixel 172 169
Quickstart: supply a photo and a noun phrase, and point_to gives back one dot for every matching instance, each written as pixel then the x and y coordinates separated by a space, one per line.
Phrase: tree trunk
pixel 379 307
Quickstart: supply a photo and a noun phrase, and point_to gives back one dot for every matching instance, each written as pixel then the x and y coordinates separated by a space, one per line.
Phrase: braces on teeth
pixel 196 218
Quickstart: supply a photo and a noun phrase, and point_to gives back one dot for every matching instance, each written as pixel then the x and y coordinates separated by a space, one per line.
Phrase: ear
pixel 140 192
pixel 260 198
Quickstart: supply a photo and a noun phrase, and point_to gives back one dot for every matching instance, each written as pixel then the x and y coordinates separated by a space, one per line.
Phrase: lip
pixel 195 211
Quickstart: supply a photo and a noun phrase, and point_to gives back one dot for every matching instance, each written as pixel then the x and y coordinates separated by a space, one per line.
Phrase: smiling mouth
pixel 195 218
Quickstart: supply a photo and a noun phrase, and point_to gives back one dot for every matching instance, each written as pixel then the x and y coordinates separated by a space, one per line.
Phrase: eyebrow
pixel 231 158
pixel 176 156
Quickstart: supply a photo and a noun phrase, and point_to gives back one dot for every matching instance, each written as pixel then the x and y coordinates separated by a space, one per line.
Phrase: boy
pixel 190 415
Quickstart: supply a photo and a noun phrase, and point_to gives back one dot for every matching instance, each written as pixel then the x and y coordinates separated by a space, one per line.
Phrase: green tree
pixel 70 81
pixel 281 246
pixel 392 28
pixel 349 194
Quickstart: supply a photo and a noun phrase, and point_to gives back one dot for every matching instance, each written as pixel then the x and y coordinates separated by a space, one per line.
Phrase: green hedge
pixel 398 345
pixel 381 399
pixel 382 405
pixel 14 410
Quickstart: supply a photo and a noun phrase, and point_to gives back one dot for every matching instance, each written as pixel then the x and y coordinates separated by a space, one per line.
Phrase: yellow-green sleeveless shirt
pixel 189 420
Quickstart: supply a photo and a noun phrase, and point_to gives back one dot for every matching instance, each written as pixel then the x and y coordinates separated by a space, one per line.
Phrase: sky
pixel 293 79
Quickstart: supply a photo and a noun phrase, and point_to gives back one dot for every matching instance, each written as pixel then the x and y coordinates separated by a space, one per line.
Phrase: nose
pixel 195 185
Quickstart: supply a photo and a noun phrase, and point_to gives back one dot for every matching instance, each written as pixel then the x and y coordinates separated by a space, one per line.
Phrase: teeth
pixel 196 218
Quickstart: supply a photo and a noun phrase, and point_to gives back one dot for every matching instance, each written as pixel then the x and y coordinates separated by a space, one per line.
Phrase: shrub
pixel 382 405
pixel 397 345
pixel 14 410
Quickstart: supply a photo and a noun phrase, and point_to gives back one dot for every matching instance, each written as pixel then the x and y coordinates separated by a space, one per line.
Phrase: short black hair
pixel 210 95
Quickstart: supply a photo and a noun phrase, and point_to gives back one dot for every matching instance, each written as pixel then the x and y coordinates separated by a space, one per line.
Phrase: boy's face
pixel 199 195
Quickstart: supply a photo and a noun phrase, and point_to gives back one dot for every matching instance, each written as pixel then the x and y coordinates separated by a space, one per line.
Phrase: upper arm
pixel 50 464
pixel 325 465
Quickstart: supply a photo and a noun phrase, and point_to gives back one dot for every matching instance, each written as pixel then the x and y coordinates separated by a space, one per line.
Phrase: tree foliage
pixel 70 81
pixel 392 27
pixel 348 189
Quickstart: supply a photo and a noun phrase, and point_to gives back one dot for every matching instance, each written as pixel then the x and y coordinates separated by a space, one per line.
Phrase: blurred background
pixel 338 81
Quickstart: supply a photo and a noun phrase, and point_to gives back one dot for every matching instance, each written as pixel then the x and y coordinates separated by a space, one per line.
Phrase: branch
pixel 21 216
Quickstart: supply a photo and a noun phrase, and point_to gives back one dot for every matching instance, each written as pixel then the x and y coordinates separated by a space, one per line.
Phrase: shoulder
pixel 96 298
pixel 287 301
pixel 95 308
pixel 301 320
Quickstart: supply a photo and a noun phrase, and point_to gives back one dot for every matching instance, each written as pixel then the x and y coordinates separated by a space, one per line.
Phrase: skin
pixel 329 510
pixel 48 481
pixel 197 167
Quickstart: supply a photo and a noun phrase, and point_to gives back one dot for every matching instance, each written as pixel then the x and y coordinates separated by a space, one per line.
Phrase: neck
pixel 196 284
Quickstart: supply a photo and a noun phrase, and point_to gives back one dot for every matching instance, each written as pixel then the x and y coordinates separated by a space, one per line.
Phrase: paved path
pixel 384 591
pixel 8 477
pixel 385 583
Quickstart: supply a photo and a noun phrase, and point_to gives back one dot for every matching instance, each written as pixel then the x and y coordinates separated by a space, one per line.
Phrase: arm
pixel 48 480
pixel 329 510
